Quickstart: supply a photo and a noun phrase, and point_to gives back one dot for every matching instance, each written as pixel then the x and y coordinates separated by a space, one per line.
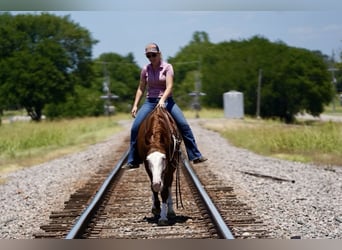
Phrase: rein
pixel 178 189
pixel 175 152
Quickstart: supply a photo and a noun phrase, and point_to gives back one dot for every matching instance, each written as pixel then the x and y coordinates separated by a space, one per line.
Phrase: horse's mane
pixel 159 130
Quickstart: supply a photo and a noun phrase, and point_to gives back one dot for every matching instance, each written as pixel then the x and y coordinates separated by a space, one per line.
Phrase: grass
pixel 24 144
pixel 317 142
pixel 204 113
pixel 307 141
pixel 333 109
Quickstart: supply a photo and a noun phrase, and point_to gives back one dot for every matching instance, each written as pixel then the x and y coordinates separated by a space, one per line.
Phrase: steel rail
pixel 76 230
pixel 222 227
pixel 79 226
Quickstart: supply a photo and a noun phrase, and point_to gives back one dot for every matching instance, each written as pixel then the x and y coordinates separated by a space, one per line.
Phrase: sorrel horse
pixel 158 145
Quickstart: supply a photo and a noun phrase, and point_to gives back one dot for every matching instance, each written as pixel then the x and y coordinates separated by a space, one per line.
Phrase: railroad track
pixel 211 209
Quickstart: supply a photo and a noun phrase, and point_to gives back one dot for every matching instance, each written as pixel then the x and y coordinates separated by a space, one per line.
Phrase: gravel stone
pixel 307 206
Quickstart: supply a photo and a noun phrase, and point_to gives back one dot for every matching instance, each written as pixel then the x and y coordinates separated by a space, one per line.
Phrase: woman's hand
pixel 134 111
pixel 161 104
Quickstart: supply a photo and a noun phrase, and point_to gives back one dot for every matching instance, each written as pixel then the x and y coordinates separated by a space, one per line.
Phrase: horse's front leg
pixel 163 221
pixel 155 204
pixel 167 211
pixel 170 212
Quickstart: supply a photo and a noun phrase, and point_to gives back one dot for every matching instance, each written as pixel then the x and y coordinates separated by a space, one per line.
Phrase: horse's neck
pixel 171 125
pixel 174 135
pixel 163 129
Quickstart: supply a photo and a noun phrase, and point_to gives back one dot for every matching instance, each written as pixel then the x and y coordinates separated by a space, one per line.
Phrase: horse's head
pixel 157 165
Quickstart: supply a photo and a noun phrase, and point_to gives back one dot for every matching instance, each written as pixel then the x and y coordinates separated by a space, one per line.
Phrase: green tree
pixel 301 84
pixel 42 57
pixel 335 69
pixel 187 64
pixel 122 74
pixel 293 80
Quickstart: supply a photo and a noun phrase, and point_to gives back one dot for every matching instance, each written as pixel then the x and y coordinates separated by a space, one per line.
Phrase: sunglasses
pixel 151 55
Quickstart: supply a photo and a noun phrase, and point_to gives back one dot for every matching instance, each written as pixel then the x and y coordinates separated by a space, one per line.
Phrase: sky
pixel 127 30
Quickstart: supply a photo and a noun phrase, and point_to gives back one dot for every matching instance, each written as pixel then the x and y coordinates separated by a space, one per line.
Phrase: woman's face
pixel 153 57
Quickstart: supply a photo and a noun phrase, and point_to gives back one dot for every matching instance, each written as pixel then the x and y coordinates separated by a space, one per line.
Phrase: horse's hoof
pixel 171 215
pixel 163 222
pixel 155 211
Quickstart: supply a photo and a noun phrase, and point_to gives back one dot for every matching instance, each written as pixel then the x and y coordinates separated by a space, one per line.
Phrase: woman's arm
pixel 168 90
pixel 138 96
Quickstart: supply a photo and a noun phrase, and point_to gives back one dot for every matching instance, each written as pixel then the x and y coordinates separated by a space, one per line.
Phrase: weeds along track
pixel 124 211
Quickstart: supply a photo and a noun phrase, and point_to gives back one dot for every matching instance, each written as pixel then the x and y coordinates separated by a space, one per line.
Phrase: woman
pixel 157 77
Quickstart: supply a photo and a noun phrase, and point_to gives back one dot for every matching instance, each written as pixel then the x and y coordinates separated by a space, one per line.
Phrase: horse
pixel 158 145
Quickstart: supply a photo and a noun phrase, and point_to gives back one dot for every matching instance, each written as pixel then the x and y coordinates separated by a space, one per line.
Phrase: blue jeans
pixel 177 114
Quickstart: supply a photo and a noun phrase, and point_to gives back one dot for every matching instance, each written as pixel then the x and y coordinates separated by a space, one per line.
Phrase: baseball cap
pixel 152 48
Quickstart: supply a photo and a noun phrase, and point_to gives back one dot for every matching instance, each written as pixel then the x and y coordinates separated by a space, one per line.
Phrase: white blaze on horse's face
pixel 157 164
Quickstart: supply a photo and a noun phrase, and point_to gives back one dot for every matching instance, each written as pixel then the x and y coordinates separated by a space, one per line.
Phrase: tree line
pixel 292 79
pixel 47 68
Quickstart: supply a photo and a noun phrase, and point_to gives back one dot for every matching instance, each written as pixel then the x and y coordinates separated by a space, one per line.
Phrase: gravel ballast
pixel 299 200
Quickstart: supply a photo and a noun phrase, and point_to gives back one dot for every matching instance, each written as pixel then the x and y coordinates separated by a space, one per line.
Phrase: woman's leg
pixel 188 137
pixel 146 108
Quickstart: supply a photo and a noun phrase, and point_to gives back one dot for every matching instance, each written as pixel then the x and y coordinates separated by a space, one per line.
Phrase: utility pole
pixel 196 93
pixel 259 94
pixel 108 97
pixel 332 69
pixel 333 82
